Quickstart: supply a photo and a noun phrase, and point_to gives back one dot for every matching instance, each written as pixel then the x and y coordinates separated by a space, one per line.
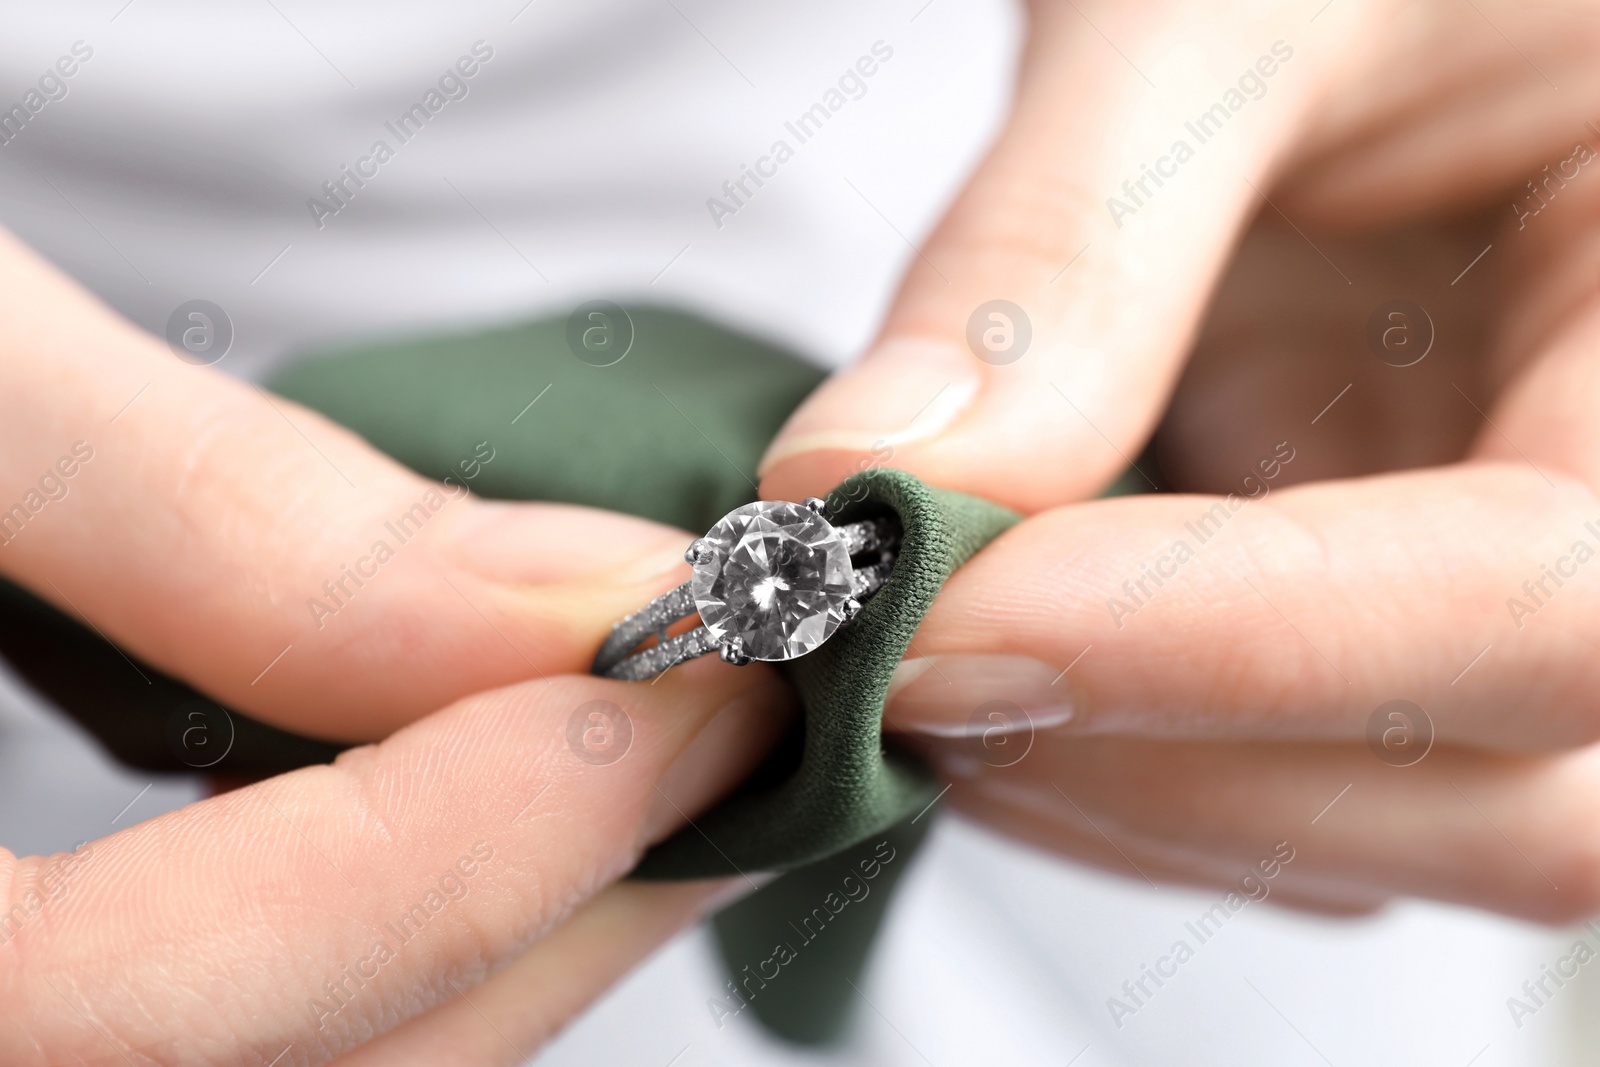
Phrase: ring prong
pixel 698 552
pixel 732 651
pixel 816 504
pixel 852 608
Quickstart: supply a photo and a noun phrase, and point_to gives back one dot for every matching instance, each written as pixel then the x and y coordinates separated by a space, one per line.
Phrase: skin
pixel 207 516
pixel 1230 709
pixel 211 934
pixel 1183 744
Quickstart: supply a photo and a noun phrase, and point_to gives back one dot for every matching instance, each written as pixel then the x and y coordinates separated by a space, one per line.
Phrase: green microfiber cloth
pixel 844 785
pixel 672 431
pixel 794 951
pixel 833 793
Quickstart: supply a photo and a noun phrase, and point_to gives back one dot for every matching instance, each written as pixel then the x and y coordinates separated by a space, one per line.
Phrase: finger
pixel 269 557
pixel 1109 262
pixel 1442 137
pixel 506 1018
pixel 1050 822
pixel 1507 833
pixel 1299 614
pixel 321 908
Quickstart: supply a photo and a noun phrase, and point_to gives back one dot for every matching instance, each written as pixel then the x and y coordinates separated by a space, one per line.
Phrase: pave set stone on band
pixel 772 581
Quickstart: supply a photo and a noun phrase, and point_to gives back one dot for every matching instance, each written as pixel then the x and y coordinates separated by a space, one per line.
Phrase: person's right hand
pixel 1335 155
pixel 1225 691
pixel 212 513
pixel 1333 667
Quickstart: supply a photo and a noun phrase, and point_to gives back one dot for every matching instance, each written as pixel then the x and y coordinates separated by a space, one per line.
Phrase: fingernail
pixel 552 543
pixel 944 695
pixel 908 390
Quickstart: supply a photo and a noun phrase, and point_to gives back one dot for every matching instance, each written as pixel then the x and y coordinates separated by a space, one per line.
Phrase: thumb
pixel 1046 317
pixel 270 557
pixel 329 905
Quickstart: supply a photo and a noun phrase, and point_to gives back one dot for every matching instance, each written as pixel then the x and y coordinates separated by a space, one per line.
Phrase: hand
pixel 1395 141
pixel 1431 552
pixel 1233 709
pixel 438 897
pixel 191 518
pixel 228 537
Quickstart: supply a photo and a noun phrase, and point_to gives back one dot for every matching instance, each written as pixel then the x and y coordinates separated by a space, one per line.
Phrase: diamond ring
pixel 772 581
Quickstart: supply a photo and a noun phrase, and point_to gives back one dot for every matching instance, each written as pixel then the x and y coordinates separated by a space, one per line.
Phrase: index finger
pixel 1294 617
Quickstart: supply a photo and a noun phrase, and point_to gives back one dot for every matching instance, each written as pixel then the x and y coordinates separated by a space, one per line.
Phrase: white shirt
pixel 579 159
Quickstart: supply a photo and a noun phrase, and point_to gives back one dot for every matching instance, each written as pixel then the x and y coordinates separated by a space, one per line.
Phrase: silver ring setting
pixel 772 581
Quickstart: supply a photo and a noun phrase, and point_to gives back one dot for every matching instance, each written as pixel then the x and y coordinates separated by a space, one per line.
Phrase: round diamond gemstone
pixel 777 580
